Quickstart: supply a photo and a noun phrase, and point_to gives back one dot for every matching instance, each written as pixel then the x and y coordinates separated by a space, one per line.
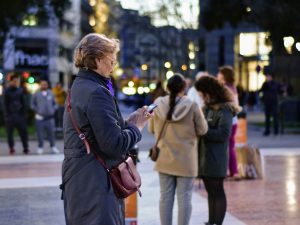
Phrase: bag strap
pixel 160 134
pixel 163 127
pixel 81 135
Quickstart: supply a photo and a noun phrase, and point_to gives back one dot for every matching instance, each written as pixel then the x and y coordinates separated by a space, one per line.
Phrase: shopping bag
pixel 250 163
pixel 241 132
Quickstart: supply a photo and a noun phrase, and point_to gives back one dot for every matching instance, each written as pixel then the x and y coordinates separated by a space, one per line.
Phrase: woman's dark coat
pixel 88 195
pixel 213 146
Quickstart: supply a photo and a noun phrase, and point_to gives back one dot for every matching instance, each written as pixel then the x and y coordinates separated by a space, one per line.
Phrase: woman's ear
pixel 97 61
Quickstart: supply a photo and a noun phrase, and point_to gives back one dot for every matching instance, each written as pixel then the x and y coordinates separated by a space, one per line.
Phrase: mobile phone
pixel 151 108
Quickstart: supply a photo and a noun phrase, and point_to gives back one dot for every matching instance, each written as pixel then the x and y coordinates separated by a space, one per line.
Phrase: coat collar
pixel 92 75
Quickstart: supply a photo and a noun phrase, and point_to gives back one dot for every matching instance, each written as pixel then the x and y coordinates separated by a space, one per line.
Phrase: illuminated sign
pixel 22 59
pixel 31 53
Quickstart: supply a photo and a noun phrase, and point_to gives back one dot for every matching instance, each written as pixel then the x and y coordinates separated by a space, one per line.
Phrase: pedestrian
pixel 218 111
pixel 60 97
pixel 226 76
pixel 177 163
pixel 193 93
pixel 87 190
pixel 44 106
pixel 270 90
pixel 14 109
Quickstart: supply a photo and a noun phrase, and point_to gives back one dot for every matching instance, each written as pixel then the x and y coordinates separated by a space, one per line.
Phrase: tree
pixel 279 17
pixel 169 12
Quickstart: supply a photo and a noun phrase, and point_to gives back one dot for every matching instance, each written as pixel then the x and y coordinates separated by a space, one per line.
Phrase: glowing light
pixel 192 66
pixel 248 44
pixel 119 72
pixel 92 3
pixel 144 67
pixel 129 90
pixel 25 22
pixel 288 43
pixel 169 74
pixel 168 65
pixel 31 80
pixel 184 67
pixel 152 86
pixel 248 9
pixel 146 89
pixel 26 75
pixel 298 46
pixel 92 21
pixel 1 76
pixel 140 90
pixel 192 55
pixel 191 46
pixel 32 22
pixel 32 88
pixel 130 83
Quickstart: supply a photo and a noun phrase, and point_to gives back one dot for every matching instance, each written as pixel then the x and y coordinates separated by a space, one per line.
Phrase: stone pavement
pixel 29 193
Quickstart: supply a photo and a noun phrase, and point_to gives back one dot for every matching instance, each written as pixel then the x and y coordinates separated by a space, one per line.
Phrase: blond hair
pixel 94 46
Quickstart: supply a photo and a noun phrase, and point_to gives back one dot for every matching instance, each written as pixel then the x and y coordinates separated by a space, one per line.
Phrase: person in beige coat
pixel 177 163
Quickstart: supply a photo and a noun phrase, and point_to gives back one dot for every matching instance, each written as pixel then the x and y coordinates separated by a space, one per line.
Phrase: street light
pixel 298 46
pixel 288 43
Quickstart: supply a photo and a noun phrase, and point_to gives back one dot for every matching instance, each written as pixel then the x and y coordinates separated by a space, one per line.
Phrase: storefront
pixel 252 55
pixel 29 58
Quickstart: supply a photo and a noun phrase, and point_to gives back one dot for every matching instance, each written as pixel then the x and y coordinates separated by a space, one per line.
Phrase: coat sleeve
pixel 223 130
pixel 199 121
pixel 103 118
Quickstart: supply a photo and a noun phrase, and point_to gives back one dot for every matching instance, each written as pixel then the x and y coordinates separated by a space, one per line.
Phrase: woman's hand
pixel 139 117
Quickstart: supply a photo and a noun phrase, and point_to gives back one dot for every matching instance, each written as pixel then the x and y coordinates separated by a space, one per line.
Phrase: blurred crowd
pixel 43 109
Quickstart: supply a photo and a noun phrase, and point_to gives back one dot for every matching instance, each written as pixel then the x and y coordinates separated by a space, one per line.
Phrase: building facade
pixel 43 49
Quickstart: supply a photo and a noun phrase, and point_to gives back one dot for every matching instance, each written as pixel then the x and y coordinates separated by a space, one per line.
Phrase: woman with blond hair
pixel 88 194
pixel 218 111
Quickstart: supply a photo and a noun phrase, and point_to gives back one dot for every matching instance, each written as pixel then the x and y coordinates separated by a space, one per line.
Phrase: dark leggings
pixel 216 199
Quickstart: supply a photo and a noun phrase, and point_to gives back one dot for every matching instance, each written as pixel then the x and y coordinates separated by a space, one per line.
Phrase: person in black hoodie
pixel 14 114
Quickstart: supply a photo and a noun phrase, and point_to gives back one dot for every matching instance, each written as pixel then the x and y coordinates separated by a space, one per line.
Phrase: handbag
pixel 124 177
pixel 154 151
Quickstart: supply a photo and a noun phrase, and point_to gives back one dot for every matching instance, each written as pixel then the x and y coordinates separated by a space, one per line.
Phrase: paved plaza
pixel 29 192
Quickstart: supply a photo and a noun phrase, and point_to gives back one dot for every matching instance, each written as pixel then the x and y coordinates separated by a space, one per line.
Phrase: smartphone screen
pixel 151 107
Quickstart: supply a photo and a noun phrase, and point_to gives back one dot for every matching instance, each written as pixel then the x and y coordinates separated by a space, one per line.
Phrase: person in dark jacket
pixel 270 90
pixel 219 110
pixel 88 194
pixel 15 114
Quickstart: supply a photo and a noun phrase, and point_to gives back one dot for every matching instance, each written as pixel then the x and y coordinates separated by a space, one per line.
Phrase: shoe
pixel 26 151
pixel 40 151
pixel 55 150
pixel 12 151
